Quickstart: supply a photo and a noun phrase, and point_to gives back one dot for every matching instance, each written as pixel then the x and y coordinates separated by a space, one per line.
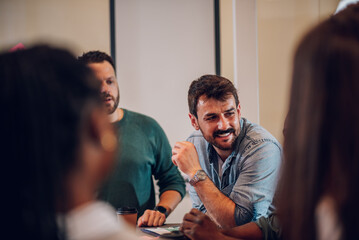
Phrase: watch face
pixel 161 209
pixel 201 175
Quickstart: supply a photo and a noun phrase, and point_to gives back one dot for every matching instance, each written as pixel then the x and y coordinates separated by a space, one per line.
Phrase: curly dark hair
pixel 212 86
pixel 96 57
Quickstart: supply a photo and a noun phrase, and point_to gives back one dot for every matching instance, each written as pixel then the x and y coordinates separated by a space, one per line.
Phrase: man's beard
pixel 116 101
pixel 212 139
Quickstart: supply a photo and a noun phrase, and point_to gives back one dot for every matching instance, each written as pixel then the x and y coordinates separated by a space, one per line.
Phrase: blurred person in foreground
pixel 318 194
pixel 146 153
pixel 58 148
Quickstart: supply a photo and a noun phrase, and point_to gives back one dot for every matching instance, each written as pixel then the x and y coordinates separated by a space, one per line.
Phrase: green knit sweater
pixel 144 151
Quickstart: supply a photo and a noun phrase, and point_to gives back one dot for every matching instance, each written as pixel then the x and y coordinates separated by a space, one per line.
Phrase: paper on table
pixel 159 230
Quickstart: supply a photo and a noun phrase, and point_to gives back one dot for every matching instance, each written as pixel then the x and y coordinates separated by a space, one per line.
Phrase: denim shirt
pixel 250 173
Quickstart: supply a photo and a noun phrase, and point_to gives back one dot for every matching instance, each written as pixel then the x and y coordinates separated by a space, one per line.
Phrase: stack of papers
pixel 159 230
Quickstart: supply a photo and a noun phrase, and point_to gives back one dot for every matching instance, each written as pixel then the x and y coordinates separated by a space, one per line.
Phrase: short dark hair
pixel 46 96
pixel 212 86
pixel 96 57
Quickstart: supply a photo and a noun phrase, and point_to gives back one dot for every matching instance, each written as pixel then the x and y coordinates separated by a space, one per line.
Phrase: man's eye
pixel 210 118
pixel 229 114
pixel 109 82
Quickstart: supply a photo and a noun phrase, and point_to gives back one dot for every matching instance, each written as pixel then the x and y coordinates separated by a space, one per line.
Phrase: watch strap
pixel 161 210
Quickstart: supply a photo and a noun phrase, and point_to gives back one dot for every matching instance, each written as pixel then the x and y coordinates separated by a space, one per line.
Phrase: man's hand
pixel 197 225
pixel 184 156
pixel 151 218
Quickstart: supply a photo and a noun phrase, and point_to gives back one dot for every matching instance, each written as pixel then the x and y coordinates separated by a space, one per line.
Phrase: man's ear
pixel 194 121
pixel 239 110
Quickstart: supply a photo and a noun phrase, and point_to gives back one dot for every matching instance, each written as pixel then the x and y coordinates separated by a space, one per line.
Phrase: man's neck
pixel 223 154
pixel 116 116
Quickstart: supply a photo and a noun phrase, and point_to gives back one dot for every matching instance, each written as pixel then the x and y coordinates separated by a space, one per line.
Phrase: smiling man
pixel 232 163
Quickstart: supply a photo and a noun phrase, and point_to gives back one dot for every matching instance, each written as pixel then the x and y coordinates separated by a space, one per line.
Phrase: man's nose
pixel 223 123
pixel 104 88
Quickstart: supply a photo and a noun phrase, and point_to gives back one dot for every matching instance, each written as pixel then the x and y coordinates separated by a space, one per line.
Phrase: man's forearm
pixel 249 231
pixel 219 207
pixel 170 199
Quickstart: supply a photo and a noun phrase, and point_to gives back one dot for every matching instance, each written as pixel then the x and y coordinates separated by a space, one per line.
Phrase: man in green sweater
pixel 144 151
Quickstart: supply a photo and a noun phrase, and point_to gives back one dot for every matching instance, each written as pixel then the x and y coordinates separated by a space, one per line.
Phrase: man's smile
pixel 223 134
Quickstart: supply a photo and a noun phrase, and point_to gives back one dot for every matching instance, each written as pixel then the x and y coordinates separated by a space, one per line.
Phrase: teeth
pixel 224 135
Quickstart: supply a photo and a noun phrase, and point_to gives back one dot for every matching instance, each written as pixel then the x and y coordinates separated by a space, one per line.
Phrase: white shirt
pixel 95 221
pixel 328 227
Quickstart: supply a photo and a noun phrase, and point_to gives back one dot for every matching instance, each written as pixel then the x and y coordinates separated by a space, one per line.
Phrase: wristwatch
pixel 161 210
pixel 199 176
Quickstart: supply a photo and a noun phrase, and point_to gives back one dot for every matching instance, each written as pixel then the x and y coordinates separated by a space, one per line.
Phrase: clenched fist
pixel 184 156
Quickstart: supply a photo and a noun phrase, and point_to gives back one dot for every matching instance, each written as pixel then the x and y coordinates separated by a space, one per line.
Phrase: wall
pixel 226 36
pixel 281 24
pixel 162 46
pixel 79 25
pixel 246 58
pixel 264 35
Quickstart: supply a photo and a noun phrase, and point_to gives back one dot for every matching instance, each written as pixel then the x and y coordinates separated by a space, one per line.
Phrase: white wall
pixel 161 47
pixel 246 57
pixel 80 25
